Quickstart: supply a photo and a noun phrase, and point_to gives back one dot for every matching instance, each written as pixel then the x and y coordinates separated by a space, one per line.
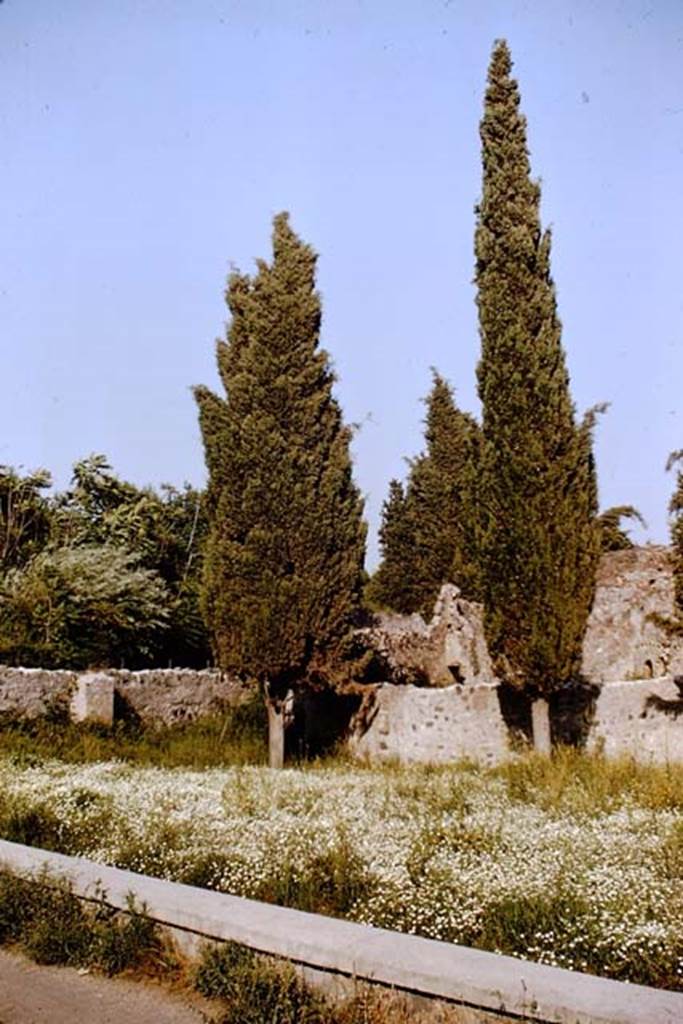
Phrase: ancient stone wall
pixel 451 648
pixel 167 696
pixel 35 692
pixel 154 697
pixel 642 718
pixel 638 718
pixel 412 724
pixel 623 640
pixel 633 705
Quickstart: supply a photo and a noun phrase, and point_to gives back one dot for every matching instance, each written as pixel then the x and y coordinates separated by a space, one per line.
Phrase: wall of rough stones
pixel 154 697
pixel 639 718
pixel 643 718
pixel 412 724
pixel 622 640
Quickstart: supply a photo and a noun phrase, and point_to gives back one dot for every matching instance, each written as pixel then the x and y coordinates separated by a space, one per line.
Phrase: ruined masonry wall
pixel 640 718
pixel 637 718
pixel 415 725
pixel 155 696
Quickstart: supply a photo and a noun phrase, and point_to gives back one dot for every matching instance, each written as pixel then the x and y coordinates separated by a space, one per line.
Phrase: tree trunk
pixel 276 733
pixel 280 716
pixel 540 724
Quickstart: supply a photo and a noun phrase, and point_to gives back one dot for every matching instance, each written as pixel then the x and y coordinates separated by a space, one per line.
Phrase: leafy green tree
pixel 82 607
pixel 161 533
pixel 284 555
pixel 539 540
pixel 613 536
pixel 25 516
pixel 164 531
pixel 428 534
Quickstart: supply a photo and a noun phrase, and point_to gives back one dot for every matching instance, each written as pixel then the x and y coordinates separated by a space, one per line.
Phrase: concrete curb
pixel 494 984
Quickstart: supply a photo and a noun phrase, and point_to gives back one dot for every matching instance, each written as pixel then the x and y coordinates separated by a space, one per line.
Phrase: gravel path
pixel 30 994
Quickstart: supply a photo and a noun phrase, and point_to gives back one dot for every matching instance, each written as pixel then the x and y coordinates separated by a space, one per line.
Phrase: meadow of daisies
pixel 575 862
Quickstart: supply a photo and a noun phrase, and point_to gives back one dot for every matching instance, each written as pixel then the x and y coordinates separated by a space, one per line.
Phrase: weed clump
pixel 51 925
pixel 258 991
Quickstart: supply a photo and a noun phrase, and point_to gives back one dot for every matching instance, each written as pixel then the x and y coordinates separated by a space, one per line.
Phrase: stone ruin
pixel 442 699
pixel 435 696
pixel 451 649
pixel 634 589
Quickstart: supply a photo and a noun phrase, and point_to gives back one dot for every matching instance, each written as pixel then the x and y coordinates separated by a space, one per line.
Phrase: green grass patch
pixel 257 989
pixel 53 926
pixel 572 781
pixel 237 736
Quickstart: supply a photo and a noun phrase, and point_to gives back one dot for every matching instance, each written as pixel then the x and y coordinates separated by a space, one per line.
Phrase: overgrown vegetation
pixel 233 738
pixel 104 573
pixel 613 534
pixel 51 925
pixel 261 990
pixel 574 860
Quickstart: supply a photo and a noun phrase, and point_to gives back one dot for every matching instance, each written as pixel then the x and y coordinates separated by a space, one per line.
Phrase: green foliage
pixel 330 883
pixel 258 990
pixel 286 540
pixel 538 495
pixel 235 737
pixel 32 825
pixel 428 533
pixel 82 607
pixel 166 531
pixel 676 526
pixel 394 583
pixel 24 516
pixel 573 782
pixel 518 922
pixel 613 536
pixel 54 927
pixel 101 573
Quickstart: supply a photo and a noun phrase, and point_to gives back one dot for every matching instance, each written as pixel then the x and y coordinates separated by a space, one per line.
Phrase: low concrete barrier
pixel 499 987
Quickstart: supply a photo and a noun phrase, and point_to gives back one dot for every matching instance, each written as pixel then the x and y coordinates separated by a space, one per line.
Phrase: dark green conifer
pixel 392 583
pixel 427 535
pixel 676 521
pixel 539 543
pixel 284 557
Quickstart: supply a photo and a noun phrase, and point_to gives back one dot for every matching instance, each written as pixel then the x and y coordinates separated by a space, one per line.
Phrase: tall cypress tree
pixel 539 542
pixel 284 558
pixel 427 534
pixel 392 585
pixel 676 521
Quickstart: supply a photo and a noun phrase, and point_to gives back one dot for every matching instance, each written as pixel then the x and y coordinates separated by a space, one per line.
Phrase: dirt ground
pixel 30 994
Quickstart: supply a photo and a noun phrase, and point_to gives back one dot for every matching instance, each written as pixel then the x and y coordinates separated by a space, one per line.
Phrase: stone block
pixel 93 699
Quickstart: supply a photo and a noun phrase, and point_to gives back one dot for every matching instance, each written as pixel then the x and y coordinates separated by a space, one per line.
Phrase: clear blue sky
pixel 146 145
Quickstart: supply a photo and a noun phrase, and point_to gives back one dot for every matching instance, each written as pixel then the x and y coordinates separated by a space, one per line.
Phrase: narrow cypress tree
pixel 427 534
pixel 676 521
pixel 539 541
pixel 286 541
pixel 448 515
pixel 392 584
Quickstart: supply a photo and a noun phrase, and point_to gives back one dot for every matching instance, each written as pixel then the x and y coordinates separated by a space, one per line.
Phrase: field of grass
pixel 237 737
pixel 572 861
